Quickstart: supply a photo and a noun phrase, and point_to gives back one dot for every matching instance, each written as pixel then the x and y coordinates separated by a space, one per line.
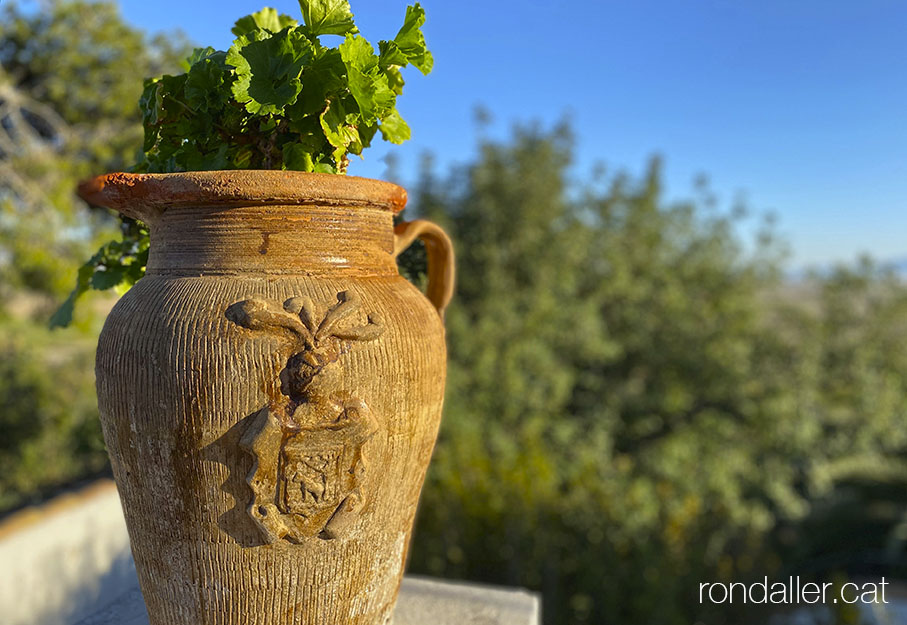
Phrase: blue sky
pixel 798 106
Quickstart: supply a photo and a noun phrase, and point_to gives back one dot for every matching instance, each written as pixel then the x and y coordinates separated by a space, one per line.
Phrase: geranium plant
pixel 279 98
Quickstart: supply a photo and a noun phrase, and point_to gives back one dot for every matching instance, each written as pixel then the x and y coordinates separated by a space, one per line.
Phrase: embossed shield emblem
pixel 310 445
pixel 311 479
pixel 306 483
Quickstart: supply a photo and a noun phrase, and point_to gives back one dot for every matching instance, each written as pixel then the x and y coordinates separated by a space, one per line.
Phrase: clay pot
pixel 270 394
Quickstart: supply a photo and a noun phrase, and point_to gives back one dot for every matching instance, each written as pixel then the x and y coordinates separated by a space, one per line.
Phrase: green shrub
pixel 637 401
pixel 49 420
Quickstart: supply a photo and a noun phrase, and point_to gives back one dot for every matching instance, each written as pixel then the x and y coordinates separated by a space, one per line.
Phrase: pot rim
pixel 144 196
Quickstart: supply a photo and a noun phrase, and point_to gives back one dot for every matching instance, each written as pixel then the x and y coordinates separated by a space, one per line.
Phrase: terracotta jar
pixel 270 394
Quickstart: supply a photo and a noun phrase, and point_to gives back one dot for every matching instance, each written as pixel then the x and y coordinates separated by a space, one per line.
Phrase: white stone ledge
pixel 422 601
pixel 68 563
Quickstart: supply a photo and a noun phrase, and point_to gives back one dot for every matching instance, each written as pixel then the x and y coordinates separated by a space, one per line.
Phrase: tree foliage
pixel 637 401
pixel 67 110
pixel 51 435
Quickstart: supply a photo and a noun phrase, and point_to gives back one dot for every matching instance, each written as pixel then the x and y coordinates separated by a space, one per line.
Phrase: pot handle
pixel 440 253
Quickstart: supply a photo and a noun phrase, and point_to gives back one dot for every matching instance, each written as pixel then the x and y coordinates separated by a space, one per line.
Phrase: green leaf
pixel 325 168
pixel 367 82
pixel 297 157
pixel 327 17
pixel 338 132
pixel 411 41
pixel 325 77
pixel 198 54
pixel 268 69
pixel 116 263
pixel 242 158
pixel 205 78
pixel 390 54
pixel 394 128
pixel 394 79
pixel 267 19
pixel 171 94
pixel 209 160
pixel 366 134
pixel 107 277
pixel 151 105
pixel 63 315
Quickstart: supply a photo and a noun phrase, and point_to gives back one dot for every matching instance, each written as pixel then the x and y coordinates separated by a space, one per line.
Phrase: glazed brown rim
pixel 138 194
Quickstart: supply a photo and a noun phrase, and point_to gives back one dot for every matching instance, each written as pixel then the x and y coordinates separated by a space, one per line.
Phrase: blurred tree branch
pixel 70 79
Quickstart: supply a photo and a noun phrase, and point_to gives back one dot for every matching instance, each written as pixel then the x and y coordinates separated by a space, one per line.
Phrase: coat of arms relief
pixel 312 444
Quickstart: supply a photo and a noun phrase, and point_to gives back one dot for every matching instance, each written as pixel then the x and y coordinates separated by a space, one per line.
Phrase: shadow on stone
pixel 120 578
pixel 226 450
